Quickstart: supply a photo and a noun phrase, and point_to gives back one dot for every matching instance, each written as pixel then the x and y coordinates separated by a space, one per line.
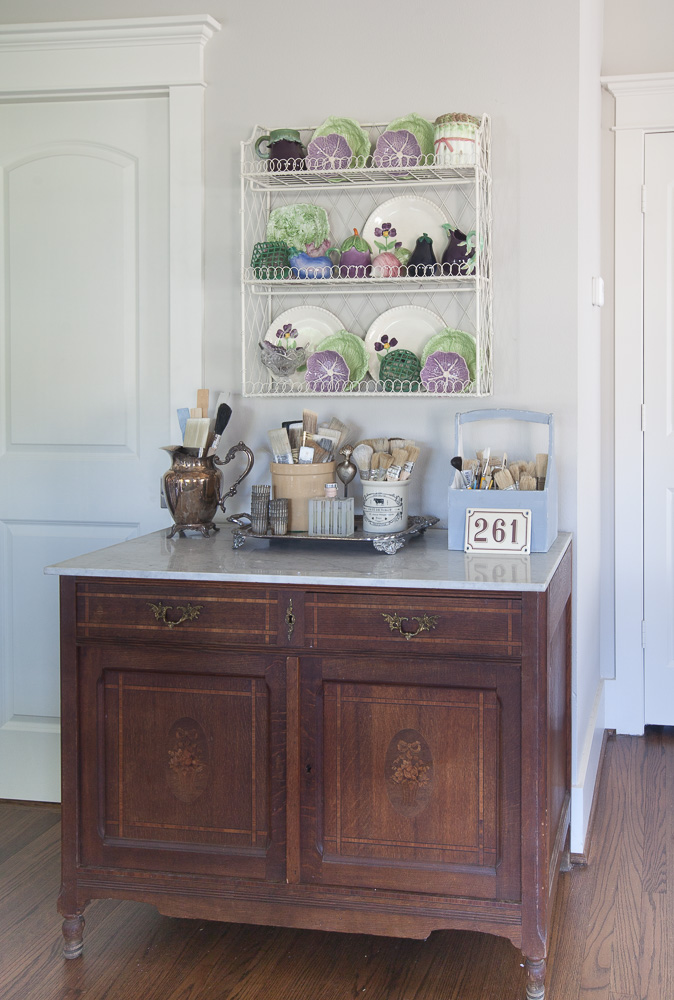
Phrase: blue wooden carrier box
pixel 541 503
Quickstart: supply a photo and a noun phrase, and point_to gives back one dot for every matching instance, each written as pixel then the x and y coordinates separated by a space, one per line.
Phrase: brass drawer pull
pixel 189 613
pixel 426 623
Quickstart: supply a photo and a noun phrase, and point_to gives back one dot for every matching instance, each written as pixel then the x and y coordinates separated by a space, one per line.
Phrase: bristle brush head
pixel 362 456
pixel 222 417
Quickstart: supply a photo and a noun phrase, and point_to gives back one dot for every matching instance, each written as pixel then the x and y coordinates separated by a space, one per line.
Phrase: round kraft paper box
pixel 385 506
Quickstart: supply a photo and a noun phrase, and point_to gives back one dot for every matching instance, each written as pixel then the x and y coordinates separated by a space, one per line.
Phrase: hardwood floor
pixel 613 936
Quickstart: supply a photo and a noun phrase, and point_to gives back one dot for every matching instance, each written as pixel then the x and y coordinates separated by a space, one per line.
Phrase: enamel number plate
pixel 498 530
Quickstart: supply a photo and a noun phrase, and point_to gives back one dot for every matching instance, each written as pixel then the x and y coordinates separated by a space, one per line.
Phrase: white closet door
pixel 659 430
pixel 84 376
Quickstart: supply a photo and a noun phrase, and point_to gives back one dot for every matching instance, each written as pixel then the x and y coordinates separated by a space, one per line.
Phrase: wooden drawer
pixel 171 612
pixel 459 624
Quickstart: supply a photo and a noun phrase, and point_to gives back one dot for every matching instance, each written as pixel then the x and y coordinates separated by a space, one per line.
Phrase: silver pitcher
pixel 192 487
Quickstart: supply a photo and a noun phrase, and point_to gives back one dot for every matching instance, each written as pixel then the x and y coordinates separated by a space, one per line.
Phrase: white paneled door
pixel 659 428
pixel 84 378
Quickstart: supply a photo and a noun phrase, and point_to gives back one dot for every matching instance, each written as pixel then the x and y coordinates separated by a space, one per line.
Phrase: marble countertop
pixel 424 563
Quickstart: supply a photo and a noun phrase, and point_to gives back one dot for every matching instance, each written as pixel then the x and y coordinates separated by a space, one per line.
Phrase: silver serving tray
pixel 389 544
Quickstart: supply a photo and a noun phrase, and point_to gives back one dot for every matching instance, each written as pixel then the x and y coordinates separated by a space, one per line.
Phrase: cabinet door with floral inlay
pixel 411 778
pixel 184 768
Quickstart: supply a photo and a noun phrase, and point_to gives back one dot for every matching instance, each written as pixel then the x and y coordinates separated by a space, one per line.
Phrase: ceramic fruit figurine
pixel 422 262
pixel 459 255
pixel 303 265
pixel 355 257
pixel 385 265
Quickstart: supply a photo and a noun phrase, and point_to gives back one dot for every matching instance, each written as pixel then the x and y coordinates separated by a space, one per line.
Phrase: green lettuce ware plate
pixel 355 135
pixel 457 341
pixel 352 350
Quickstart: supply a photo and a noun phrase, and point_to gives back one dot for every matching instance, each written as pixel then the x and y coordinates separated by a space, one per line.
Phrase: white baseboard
pixel 583 789
pixel 31 763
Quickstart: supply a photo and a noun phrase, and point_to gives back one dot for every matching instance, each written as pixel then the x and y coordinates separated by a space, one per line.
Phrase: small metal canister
pixel 455 139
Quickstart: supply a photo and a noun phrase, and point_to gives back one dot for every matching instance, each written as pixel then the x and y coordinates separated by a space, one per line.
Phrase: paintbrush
pixel 310 421
pixel 320 454
pixel 412 455
pixel 183 417
pixel 460 481
pixel 328 439
pixel 202 401
pixel 377 444
pixel 484 475
pixel 362 456
pixel 503 480
pixel 221 421
pixel 337 425
pixel 469 472
pixel 381 462
pixel 398 459
pixel 197 431
pixel 541 470
pixel 280 446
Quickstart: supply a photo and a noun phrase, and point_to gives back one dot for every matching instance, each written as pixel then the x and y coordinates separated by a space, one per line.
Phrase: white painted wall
pixel 638 37
pixel 535 69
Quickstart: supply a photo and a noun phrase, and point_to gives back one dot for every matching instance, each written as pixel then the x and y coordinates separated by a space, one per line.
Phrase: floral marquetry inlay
pixel 409 772
pixel 187 760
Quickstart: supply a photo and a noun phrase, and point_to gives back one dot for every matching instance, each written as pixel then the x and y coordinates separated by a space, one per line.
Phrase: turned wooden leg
pixel 73 929
pixel 535 978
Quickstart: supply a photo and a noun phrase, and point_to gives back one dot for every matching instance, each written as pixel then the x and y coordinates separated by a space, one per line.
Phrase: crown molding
pixel 642 101
pixel 639 85
pixel 197 28
pixel 136 54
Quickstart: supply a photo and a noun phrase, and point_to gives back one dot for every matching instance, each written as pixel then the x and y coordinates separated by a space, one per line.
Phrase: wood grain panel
pixel 468 626
pixel 181 764
pixel 411 785
pixel 114 609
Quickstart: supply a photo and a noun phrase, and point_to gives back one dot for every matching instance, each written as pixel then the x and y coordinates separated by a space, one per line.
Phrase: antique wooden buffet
pixel 318 737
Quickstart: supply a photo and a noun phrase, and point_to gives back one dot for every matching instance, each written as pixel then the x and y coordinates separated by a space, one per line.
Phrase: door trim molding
pixel 104 60
pixel 642 104
pixel 137 57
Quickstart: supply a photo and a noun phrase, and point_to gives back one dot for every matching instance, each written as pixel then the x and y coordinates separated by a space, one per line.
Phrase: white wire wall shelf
pixel 350 197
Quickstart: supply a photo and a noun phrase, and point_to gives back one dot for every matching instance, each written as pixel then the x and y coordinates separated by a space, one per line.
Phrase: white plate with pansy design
pixel 401 221
pixel 302 326
pixel 407 328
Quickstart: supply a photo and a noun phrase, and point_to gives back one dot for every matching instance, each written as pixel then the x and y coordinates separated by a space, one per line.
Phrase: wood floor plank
pixel 29 880
pixel 631 759
pixel 655 956
pixel 569 932
pixel 596 960
pixel 20 824
pixel 656 807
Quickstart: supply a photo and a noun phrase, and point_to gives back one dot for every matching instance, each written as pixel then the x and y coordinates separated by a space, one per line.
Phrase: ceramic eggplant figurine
pixel 303 265
pixel 355 256
pixel 459 255
pixel 422 263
